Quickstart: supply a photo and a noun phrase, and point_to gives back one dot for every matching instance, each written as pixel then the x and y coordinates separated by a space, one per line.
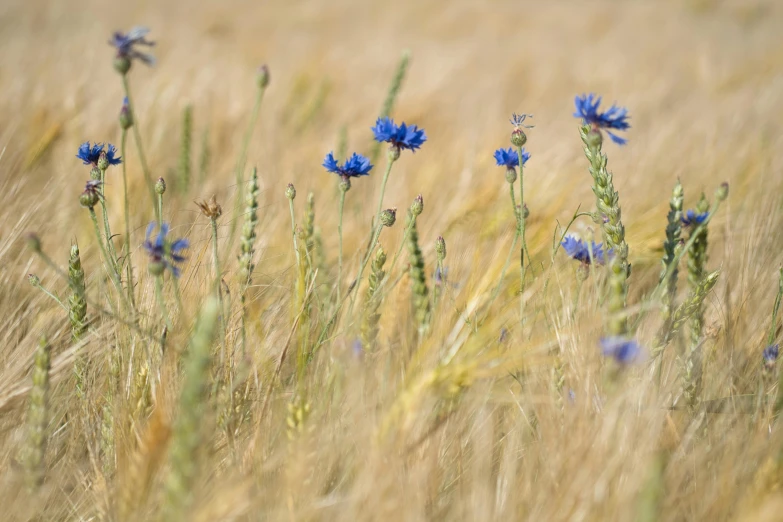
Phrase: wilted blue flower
pixel 355 166
pixel 401 136
pixel 691 217
pixel 90 155
pixel 580 250
pixel 770 355
pixel 509 158
pixel 162 252
pixel 621 349
pixel 125 44
pixel 614 118
pixel 517 120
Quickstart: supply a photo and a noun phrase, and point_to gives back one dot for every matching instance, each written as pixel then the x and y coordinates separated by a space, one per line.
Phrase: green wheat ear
pixel 421 299
pixel 184 153
pixel 32 457
pixel 372 302
pixel 391 97
pixel 77 313
pixel 188 432
pixel 670 246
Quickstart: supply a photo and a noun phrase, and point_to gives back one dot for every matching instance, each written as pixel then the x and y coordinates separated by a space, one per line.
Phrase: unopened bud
pixel 156 268
pixel 290 191
pixel 160 186
pixel 262 78
pixel 126 117
pixel 518 138
pixel 417 207
pixel 440 248
pixel 34 280
pixel 388 217
pixel 722 192
pixel 103 161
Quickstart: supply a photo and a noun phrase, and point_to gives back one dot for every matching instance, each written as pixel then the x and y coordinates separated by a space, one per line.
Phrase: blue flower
pixel 163 252
pixel 621 349
pixel 517 120
pixel 90 155
pixel 614 118
pixel 125 44
pixel 770 354
pixel 691 217
pixel 400 136
pixel 509 158
pixel 580 250
pixel 355 166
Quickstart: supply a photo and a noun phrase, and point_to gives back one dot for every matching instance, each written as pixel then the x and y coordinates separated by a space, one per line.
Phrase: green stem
pixel 106 227
pixel 510 250
pixel 54 297
pixel 775 309
pixel 375 237
pixel 128 264
pixel 522 222
pixel 137 138
pixel 340 236
pixel 215 257
pixel 293 233
pixel 112 273
pixel 161 302
pixel 389 163
pixel 159 208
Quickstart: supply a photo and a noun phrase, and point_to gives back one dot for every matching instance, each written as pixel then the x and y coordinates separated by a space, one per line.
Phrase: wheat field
pixel 207 398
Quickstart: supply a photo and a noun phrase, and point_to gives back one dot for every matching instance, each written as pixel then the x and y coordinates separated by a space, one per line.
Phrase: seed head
pixel 290 191
pixel 160 186
pixel 210 208
pixel 388 217
pixel 440 248
pixel 262 77
pixel 417 207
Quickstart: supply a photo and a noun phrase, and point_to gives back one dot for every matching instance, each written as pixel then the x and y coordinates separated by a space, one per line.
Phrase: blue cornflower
pixel 90 155
pixel 509 158
pixel 579 250
pixel 355 166
pixel 691 217
pixel 770 355
pixel 621 349
pixel 401 136
pixel 125 44
pixel 164 253
pixel 614 118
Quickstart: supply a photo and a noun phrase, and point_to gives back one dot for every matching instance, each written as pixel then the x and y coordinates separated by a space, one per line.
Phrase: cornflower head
pixel 694 218
pixel 126 48
pixel 615 118
pixel 126 116
pixel 518 136
pixel 770 356
pixel 92 155
pixel 400 136
pixel 163 252
pixel 509 158
pixel 92 193
pixel 580 250
pixel 355 166
pixel 622 349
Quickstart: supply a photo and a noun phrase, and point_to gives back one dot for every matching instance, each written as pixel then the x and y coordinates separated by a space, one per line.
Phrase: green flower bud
pixel 33 242
pixel 95 174
pixel 126 117
pixel 89 198
pixel 440 248
pixel 511 175
pixel 160 186
pixel 262 78
pixel 417 207
pixel 388 217
pixel 722 192
pixel 156 268
pixel 518 138
pixel 34 280
pixel 290 191
pixel 103 161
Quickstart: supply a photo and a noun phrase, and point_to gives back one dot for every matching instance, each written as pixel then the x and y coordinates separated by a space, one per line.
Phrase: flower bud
pixel 262 77
pixel 394 153
pixel 34 280
pixel 388 217
pixel 156 268
pixel 345 184
pixel 126 117
pixel 95 174
pixel 595 139
pixel 122 64
pixel 160 186
pixel 89 198
pixel 290 191
pixel 722 192
pixel 518 138
pixel 525 211
pixel 33 242
pixel 440 248
pixel 511 174
pixel 417 207
pixel 103 161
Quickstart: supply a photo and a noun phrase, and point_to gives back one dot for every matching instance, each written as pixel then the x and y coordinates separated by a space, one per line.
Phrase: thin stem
pixel 775 309
pixel 340 236
pixel 106 227
pixel 215 257
pixel 293 233
pixel 389 163
pixel 522 222
pixel 54 297
pixel 159 209
pixel 161 302
pixel 510 250
pixel 137 138
pixel 128 264
pixel 376 236
pixel 112 273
